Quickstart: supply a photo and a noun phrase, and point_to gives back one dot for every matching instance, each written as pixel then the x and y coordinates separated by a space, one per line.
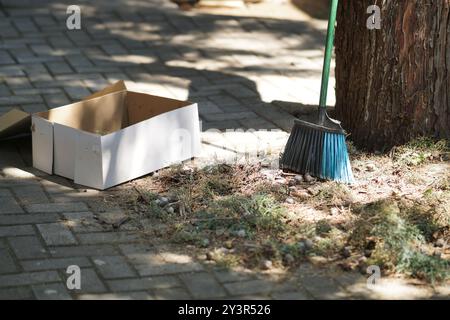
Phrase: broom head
pixel 317 147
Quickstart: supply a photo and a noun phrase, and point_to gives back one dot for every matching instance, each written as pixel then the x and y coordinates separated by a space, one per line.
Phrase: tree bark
pixel 393 84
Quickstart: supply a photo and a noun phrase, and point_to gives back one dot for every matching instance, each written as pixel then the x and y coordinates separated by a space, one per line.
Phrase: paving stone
pixel 34 108
pixel 57 186
pixel 257 124
pixel 5 193
pixel 248 287
pixel 107 237
pixel 167 268
pixel 56 100
pixel 28 218
pixel 112 216
pixel 172 294
pixel 291 295
pixel 77 93
pixel 78 61
pixel 54 291
pixel 203 285
pixel 15 83
pixel 80 251
pixel 249 297
pixel 9 205
pixel 82 222
pixel 30 194
pixel 28 278
pixel 27 247
pixel 206 107
pixel 220 125
pixel 4 90
pixel 57 207
pixel 16 293
pixel 54 264
pixel 111 267
pixel 237 108
pixel 59 68
pixel 138 295
pixel 232 276
pixel 44 21
pixel 11 231
pixel 320 287
pixel 160 282
pixel 90 282
pixel 219 117
pixel 15 100
pixel 60 42
pixel 25 25
pixel 55 234
pixel 11 71
pixel 36 91
pixel 7 264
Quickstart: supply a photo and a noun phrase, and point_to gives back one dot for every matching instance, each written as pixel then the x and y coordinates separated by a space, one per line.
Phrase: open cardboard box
pixel 114 136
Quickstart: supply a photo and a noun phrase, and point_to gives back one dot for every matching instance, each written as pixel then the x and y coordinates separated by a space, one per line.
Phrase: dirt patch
pixel 396 216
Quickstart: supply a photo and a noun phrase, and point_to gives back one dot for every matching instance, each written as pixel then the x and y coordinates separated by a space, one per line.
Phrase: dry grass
pixel 248 215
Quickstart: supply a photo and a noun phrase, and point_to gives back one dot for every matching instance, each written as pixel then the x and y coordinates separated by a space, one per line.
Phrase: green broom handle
pixel 328 54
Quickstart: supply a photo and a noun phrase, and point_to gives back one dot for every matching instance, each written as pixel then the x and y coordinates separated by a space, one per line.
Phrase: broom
pixel 317 144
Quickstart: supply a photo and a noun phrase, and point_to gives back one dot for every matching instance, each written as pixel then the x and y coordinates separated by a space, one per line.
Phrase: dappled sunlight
pixel 16 173
pixel 392 289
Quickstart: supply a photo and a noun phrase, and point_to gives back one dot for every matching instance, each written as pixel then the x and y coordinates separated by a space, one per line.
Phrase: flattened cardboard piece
pixel 13 123
pixel 88 160
pixel 42 137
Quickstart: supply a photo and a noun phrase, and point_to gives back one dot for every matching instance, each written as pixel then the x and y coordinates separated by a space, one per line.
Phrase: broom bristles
pixel 318 153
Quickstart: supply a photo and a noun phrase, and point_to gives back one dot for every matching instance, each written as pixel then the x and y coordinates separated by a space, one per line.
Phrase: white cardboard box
pixel 114 136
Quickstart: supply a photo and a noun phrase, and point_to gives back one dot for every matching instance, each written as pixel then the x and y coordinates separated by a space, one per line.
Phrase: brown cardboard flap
pixel 143 106
pixel 101 115
pixel 116 87
pixel 14 122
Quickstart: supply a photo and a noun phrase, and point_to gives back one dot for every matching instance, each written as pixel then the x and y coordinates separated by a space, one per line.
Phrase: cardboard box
pixel 114 136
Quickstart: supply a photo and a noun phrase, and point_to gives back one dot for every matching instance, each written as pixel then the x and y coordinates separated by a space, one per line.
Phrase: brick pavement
pixel 236 68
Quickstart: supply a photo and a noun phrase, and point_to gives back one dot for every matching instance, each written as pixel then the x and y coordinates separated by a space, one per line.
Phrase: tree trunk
pixel 393 84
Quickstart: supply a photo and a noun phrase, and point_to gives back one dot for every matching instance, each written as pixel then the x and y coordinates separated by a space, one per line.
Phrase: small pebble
pixel 266 264
pixel 222 250
pixel 170 210
pixel 205 242
pixel 308 178
pixel 228 244
pixel 302 248
pixel 440 243
pixel 308 244
pixel 280 180
pixel 298 179
pixel 241 233
pixel 209 255
pixel 334 211
pixel 289 259
pixel 367 253
pixel 220 232
pixel 371 167
pixel 290 201
pixel 302 194
pixel 163 201
pixel 346 252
